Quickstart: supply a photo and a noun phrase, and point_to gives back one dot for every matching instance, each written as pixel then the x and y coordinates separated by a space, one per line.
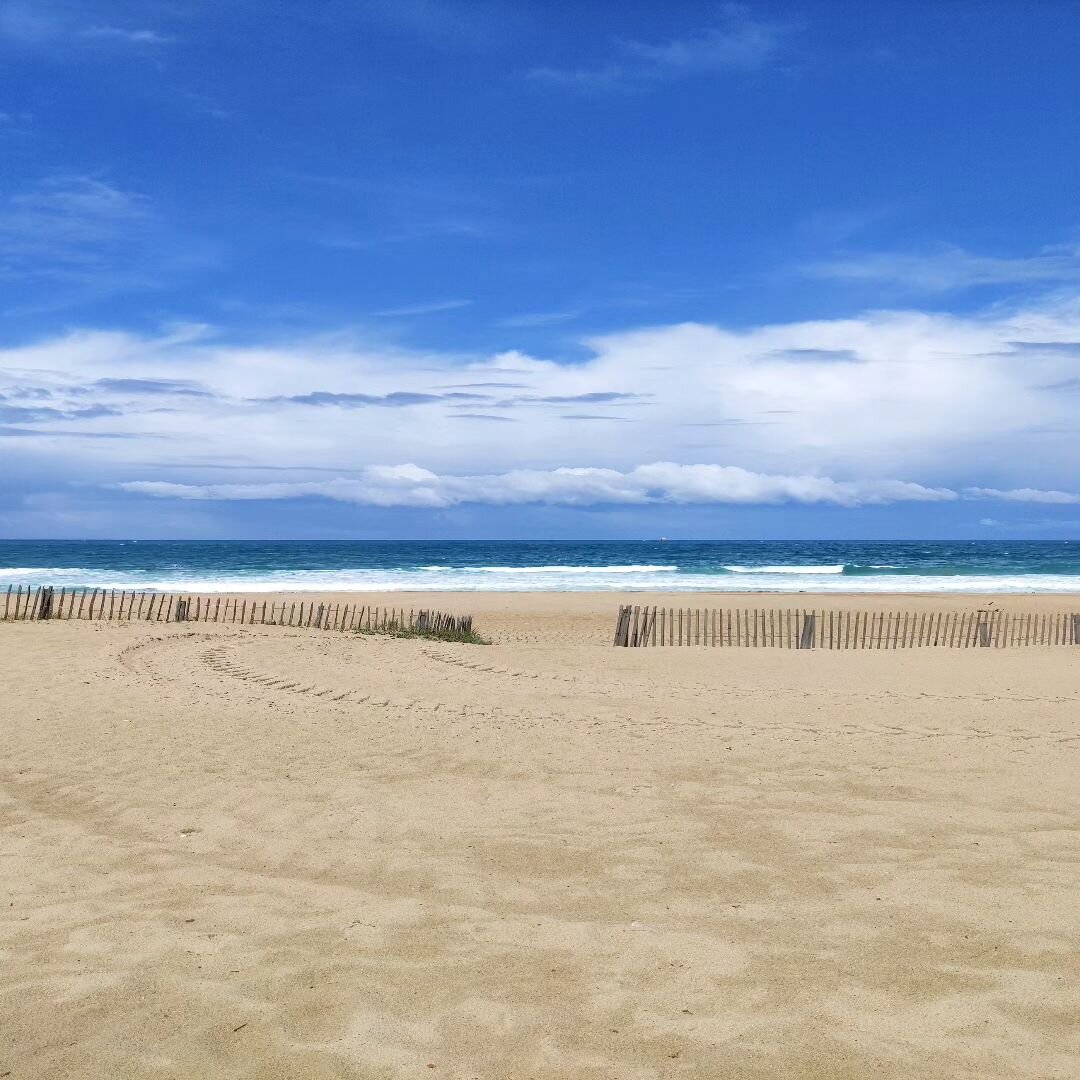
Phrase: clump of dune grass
pixel 466 637
pixel 429 625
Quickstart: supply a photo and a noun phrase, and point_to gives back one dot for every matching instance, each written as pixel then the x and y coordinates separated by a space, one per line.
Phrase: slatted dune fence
pixel 646 627
pixel 49 603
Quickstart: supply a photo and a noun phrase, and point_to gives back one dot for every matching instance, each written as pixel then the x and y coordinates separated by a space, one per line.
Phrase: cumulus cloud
pixel 660 482
pixel 830 412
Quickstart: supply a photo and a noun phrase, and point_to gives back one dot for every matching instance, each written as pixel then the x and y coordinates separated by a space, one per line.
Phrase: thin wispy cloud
pixel 409 232
pixel 738 42
pixel 68 226
pixel 24 414
pixel 431 308
pixel 596 397
pixel 43 22
pixel 397 399
pixel 126 37
pixel 206 105
pixel 91 238
pixel 945 268
pixel 539 318
pixel 1034 525
pixel 185 387
pixel 1025 495
pixel 592 416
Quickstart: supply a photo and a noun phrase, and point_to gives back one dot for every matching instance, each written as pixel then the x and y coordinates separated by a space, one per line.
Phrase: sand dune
pixel 262 852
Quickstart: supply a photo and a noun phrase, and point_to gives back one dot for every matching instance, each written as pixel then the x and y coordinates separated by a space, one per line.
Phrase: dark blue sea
pixel 233 566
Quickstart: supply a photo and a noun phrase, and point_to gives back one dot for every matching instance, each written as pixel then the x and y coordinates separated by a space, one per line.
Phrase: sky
pixel 495 269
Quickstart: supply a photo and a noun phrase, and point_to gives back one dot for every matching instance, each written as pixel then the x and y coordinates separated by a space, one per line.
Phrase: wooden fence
pixel 47 602
pixel 640 627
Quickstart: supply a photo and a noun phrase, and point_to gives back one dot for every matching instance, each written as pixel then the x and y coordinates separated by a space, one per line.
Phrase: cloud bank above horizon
pixel 889 407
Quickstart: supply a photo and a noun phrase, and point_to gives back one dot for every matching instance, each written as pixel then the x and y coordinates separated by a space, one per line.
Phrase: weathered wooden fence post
pixel 806 638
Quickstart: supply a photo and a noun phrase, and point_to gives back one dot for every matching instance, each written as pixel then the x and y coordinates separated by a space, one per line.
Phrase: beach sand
pixel 263 852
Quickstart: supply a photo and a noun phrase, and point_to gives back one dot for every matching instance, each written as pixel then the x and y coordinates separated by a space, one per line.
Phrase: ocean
pixel 557 566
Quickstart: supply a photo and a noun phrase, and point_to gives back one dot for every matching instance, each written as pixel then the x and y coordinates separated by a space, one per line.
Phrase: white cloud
pixel 887 407
pixel 126 37
pixel 660 482
pixel 1026 495
pixel 90 236
pixel 1032 525
pixel 738 42
pixel 539 318
pixel 52 22
pixel 950 269
pixel 429 308
pixel 67 226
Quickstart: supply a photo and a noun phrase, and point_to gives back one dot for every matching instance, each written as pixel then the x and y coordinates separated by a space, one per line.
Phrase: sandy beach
pixel 267 852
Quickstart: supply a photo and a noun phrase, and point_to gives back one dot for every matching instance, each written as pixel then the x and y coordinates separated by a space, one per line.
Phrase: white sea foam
pixel 648 577
pixel 837 568
pixel 643 569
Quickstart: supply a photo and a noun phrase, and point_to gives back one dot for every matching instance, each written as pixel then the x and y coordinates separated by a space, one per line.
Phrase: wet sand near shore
pixel 269 852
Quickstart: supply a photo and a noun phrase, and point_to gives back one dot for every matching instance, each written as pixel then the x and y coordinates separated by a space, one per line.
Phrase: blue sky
pixel 428 267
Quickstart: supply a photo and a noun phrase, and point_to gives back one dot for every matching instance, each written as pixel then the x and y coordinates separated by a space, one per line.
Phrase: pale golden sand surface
pixel 263 852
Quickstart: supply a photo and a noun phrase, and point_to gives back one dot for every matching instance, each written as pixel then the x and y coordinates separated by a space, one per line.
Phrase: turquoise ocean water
pixel 237 566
